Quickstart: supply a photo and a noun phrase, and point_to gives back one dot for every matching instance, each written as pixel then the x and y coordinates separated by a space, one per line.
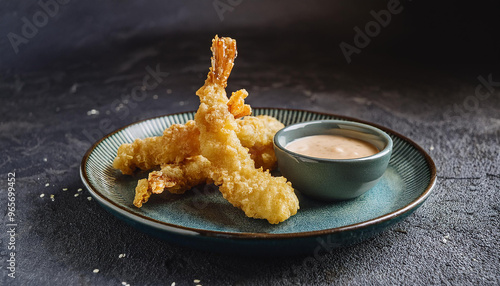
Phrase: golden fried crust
pixel 142 193
pixel 256 192
pixel 216 147
pixel 177 143
pixel 175 178
pixel 258 132
pixel 158 181
pixel 178 178
pixel 181 141
pixel 237 106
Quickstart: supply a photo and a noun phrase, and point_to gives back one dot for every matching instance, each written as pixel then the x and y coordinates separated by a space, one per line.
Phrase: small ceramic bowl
pixel 332 179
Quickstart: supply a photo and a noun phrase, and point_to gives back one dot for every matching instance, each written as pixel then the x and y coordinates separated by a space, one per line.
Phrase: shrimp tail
pixel 224 53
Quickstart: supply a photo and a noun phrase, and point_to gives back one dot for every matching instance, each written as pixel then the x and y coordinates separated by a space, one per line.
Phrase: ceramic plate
pixel 201 218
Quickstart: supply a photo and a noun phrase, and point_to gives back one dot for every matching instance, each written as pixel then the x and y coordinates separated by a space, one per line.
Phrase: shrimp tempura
pixel 256 192
pixel 180 141
pixel 177 178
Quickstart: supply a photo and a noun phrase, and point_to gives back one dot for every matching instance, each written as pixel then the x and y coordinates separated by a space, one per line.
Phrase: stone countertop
pixel 52 115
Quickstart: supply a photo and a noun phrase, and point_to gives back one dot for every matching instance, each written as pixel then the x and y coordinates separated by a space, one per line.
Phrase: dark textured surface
pixel 47 124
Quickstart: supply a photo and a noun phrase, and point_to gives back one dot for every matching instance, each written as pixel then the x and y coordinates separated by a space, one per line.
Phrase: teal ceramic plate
pixel 202 219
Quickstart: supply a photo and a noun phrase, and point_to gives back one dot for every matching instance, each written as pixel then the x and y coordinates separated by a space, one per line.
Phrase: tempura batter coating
pixel 258 132
pixel 181 177
pixel 175 178
pixel 142 193
pixel 177 142
pixel 256 192
pixel 181 141
pixel 237 106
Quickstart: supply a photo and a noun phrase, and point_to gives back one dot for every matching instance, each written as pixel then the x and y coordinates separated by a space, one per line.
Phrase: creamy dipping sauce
pixel 332 147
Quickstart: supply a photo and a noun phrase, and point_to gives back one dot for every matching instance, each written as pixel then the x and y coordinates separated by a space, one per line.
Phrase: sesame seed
pixel 92 112
pixel 445 238
pixel 89 198
pixel 45 159
pixel 79 190
pixel 76 195
pixel 47 184
pixel 120 106
pixel 64 189
pixel 96 270
pixel 73 88
pixel 196 281
pixel 52 197
pixel 121 255
pixel 173 284
pixel 431 148
pixel 42 195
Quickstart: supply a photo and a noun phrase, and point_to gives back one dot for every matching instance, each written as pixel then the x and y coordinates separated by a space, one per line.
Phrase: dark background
pixel 419 76
pixel 456 34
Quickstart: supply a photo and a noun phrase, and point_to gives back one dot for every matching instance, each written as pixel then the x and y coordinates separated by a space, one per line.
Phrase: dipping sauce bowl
pixel 332 179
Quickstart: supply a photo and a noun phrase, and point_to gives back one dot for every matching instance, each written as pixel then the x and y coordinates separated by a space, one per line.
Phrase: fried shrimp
pixel 175 178
pixel 150 152
pixel 181 141
pixel 177 142
pixel 256 192
pixel 258 132
pixel 222 145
